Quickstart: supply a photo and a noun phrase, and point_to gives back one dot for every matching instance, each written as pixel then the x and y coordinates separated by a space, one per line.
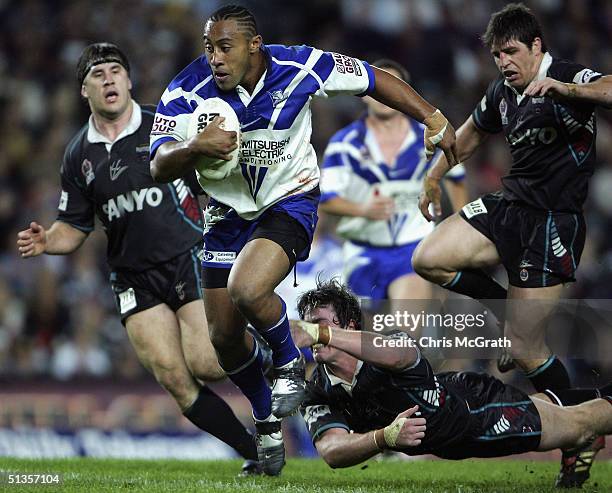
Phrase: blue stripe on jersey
pixel 180 210
pixel 296 102
pixel 324 66
pixel 372 80
pixel 407 161
pixel 156 145
pixel 297 54
pixel 500 404
pixel 509 435
pixel 191 75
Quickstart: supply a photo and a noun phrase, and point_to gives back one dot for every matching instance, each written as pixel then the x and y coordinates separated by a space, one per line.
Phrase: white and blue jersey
pixel 354 166
pixel 377 251
pixel 277 160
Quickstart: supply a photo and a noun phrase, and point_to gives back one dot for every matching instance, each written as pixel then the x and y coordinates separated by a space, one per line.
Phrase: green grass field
pixel 299 476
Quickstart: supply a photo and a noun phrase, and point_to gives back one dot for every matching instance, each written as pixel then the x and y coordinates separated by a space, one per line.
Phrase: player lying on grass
pixel 362 400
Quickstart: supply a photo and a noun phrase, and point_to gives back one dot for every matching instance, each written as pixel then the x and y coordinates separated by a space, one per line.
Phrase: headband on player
pixel 98 53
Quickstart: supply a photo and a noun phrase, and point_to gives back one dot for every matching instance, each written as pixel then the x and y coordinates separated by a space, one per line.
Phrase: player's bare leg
pixel 453 256
pixel 576 461
pixel 267 262
pixel 572 427
pixel 239 355
pixel 156 336
pixel 525 327
pixel 409 287
pixel 199 352
pixel 451 248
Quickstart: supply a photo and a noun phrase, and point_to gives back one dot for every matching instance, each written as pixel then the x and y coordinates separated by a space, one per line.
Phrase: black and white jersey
pixel 146 223
pixel 552 142
pixel 376 396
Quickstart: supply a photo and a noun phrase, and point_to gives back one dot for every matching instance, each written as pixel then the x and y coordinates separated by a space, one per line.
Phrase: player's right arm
pixel 174 159
pixel 339 448
pixel 60 239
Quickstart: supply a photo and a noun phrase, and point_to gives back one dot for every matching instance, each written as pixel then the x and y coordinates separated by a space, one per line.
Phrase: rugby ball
pixel 210 168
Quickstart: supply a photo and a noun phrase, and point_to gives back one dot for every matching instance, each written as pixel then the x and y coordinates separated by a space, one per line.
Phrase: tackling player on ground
pixel 364 398
pixel 154 243
pixel 261 218
pixel 535 227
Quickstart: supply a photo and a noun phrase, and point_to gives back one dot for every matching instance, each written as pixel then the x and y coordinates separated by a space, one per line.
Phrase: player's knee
pixel 174 378
pixel 207 370
pixel 246 295
pixel 425 262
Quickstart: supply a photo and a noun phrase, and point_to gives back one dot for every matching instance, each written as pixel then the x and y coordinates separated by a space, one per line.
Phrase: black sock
pixel 477 284
pixel 550 375
pixel 212 414
pixel 572 397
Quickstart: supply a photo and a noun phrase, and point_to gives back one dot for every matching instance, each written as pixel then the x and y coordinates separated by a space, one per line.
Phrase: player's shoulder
pixel 191 76
pixel 570 71
pixel 497 88
pixel 147 112
pixel 298 53
pixel 76 146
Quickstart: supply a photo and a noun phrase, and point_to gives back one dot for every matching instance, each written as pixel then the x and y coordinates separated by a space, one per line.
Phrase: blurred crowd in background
pixel 57 314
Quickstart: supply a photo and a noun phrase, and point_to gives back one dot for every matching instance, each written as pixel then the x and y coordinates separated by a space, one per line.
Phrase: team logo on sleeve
pixel 346 64
pixel 585 76
pixel 87 170
pixel 314 413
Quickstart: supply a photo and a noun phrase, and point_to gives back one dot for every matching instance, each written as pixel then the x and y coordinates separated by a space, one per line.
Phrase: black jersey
pixel 552 143
pixel 146 223
pixel 378 395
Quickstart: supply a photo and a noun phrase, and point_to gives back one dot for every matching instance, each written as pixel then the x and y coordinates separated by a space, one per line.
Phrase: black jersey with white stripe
pixel 146 222
pixel 376 396
pixel 552 142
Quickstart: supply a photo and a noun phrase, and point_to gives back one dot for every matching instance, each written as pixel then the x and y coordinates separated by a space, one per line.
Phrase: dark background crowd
pixel 57 314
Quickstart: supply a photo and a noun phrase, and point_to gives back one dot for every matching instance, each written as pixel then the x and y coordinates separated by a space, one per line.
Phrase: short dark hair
pixel 384 63
pixel 514 21
pixel 243 16
pixel 98 53
pixel 336 295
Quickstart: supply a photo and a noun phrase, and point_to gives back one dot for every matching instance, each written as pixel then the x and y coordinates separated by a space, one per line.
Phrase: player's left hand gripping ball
pixel 440 133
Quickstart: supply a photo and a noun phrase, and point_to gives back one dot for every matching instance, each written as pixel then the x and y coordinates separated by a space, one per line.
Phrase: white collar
pixel 244 95
pixel 334 380
pixel 545 64
pixel 95 137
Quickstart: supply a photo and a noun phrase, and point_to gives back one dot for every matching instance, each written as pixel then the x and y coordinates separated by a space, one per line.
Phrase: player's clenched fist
pixel 32 241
